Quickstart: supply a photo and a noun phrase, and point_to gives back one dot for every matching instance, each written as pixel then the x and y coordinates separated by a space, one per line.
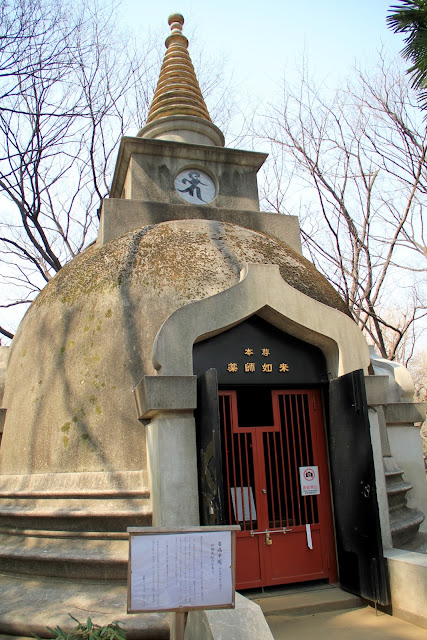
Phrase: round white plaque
pixel 195 186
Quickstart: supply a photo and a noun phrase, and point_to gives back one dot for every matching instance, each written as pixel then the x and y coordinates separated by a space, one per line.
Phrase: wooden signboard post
pixel 180 570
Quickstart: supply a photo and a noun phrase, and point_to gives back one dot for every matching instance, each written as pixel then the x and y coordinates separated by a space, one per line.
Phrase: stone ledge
pixel 409 413
pixel 76 484
pixel 120 216
pixel 165 393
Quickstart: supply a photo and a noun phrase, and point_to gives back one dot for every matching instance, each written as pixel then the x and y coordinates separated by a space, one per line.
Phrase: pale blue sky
pixel 262 40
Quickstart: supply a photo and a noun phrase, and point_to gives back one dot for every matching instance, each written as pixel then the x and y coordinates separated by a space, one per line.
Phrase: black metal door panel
pixel 209 458
pixel 362 567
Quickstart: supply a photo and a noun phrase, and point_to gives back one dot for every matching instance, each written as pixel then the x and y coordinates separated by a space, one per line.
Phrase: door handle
pixel 269 531
pixel 365 490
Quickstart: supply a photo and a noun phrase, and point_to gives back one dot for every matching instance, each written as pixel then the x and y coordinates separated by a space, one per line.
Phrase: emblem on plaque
pixel 195 186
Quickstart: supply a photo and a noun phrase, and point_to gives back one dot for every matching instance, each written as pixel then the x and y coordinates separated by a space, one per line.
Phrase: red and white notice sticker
pixel 309 480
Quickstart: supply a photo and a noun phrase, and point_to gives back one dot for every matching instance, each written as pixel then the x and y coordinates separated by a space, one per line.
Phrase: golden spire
pixel 178 92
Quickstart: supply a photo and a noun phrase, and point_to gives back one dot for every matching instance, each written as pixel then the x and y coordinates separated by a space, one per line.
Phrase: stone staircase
pixel 404 521
pixel 64 550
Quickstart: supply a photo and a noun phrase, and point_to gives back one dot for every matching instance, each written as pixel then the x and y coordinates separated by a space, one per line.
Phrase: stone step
pixel 66 518
pixel 30 604
pixel 76 557
pixel 307 599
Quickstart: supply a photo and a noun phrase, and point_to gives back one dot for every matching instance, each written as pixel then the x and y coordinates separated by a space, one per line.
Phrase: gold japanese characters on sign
pixel 251 367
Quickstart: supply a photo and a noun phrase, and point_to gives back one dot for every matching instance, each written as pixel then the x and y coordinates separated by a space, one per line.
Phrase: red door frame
pixel 282 555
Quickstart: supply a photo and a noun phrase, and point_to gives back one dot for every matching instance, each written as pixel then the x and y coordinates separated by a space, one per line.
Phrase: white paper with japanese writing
pixel 180 570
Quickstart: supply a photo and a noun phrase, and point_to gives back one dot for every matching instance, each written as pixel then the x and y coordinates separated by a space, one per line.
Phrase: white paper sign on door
pixel 309 480
pixel 243 497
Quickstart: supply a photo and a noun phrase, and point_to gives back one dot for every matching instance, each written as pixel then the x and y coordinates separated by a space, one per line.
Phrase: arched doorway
pixel 198 331
pixel 262 452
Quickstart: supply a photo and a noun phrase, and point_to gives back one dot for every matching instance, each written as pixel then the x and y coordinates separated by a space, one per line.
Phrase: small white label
pixel 309 479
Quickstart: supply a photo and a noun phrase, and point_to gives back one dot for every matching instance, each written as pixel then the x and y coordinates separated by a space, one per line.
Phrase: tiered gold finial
pixel 178 92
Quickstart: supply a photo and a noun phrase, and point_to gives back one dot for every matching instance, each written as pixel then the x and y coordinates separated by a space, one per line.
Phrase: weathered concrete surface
pixel 406 448
pixel 261 290
pixel 165 393
pixel 29 604
pixel 245 622
pixel 172 454
pixel 71 524
pixel 380 481
pixel 120 216
pixel 87 339
pixel 190 129
pixel 376 390
pixel 408 584
pixel 302 600
pixel 401 385
pixel 344 625
pixel 328 613
pixel 146 170
pixel 405 413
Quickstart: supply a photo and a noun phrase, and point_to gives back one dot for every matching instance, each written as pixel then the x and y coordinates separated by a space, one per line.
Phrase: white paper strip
pixel 309 540
pixel 243 496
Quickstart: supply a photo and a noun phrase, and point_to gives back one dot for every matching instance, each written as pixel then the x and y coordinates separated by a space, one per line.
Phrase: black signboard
pixel 256 352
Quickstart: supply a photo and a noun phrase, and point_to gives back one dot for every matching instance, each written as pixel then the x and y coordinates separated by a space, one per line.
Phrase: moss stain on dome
pixel 186 260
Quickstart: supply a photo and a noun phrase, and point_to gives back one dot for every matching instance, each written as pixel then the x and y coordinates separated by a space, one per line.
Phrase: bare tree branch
pixel 359 157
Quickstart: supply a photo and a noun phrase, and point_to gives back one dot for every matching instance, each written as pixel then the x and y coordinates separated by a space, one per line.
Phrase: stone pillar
pixel 172 460
pixel 166 404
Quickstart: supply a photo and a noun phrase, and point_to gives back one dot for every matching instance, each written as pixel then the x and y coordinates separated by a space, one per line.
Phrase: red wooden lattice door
pixel 285 537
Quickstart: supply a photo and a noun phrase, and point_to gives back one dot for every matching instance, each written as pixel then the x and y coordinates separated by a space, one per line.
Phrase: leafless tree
pixel 71 84
pixel 352 163
pixel 63 111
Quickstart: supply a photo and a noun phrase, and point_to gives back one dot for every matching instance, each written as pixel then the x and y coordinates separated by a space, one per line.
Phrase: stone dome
pixel 185 260
pixel 86 341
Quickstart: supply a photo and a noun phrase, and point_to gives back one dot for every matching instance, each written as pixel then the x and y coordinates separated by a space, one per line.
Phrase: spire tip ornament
pixel 178 105
pixel 176 21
